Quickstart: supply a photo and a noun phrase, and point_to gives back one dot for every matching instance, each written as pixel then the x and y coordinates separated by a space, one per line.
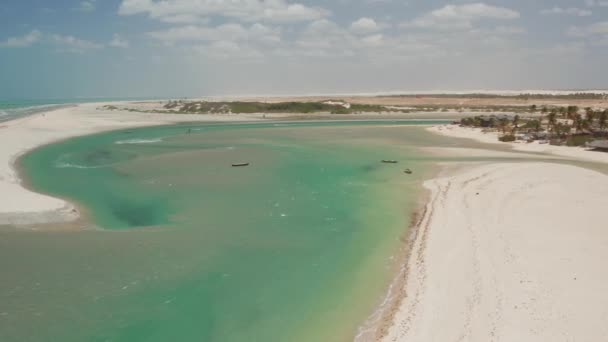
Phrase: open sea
pixel 178 245
pixel 11 109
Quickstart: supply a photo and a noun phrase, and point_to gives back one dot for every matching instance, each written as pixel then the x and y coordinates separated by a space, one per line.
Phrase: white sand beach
pixel 509 252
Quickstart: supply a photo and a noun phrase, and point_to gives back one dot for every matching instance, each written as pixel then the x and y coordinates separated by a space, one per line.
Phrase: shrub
pixel 578 140
pixel 507 138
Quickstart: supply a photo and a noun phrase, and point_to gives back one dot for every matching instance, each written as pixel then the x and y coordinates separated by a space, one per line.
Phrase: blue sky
pixel 139 48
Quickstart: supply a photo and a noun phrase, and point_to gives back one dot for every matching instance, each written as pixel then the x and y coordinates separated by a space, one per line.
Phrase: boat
pixel 240 164
pixel 408 171
pixel 386 161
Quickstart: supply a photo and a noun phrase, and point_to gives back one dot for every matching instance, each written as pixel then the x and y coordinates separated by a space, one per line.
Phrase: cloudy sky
pixel 124 48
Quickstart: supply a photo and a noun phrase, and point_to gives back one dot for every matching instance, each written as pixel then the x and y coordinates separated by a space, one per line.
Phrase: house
pixel 601 145
pixel 567 122
pixel 490 121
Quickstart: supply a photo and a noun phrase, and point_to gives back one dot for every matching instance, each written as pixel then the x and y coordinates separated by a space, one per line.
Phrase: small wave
pixel 76 166
pixel 17 112
pixel 139 141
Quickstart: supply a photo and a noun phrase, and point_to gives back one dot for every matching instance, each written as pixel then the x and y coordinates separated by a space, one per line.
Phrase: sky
pixel 189 48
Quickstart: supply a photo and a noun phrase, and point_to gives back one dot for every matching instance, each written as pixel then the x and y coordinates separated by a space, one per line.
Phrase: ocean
pixel 11 109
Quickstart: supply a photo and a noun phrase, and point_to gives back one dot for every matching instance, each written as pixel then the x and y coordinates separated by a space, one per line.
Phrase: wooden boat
pixel 240 164
pixel 408 171
pixel 386 161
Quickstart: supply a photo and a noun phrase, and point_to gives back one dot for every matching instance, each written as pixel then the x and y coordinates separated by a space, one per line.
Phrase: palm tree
pixel 558 129
pixel 578 122
pixel 515 123
pixel 552 117
pixel 536 125
pixel 589 116
pixel 543 112
pixel 562 111
pixel 533 109
pixel 603 120
pixel 502 124
pixel 572 112
pixel 562 130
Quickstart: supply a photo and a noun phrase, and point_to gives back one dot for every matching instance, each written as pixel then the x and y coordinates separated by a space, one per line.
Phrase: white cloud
pixel 569 11
pixel 227 32
pixel 64 43
pixel 509 30
pixel 119 42
pixel 184 19
pixel 73 44
pixel 373 40
pixel 364 26
pixel 600 28
pixel 596 3
pixel 86 6
pixel 452 17
pixel 325 35
pixel 277 11
pixel 22 41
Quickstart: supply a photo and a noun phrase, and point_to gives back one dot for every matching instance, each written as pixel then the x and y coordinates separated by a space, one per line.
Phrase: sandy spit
pixel 509 252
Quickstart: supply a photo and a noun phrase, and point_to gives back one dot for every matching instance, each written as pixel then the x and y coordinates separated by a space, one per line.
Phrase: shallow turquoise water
pixel 295 247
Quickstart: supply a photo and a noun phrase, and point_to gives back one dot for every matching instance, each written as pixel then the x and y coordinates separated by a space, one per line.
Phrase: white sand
pixel 21 206
pixel 574 153
pixel 509 252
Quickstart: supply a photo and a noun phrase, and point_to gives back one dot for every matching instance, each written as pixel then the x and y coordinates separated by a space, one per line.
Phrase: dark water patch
pixel 136 214
pixel 370 167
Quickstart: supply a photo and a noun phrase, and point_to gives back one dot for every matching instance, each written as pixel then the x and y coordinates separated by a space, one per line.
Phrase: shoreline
pixel 379 321
pixel 28 207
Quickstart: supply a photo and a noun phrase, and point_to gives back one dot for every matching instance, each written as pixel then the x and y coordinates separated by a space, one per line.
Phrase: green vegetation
pixel 281 107
pixel 573 96
pixel 240 107
pixel 507 138
pixel 563 125
pixel 578 140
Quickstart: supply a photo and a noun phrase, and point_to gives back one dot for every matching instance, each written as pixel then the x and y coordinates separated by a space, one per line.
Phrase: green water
pixel 181 246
